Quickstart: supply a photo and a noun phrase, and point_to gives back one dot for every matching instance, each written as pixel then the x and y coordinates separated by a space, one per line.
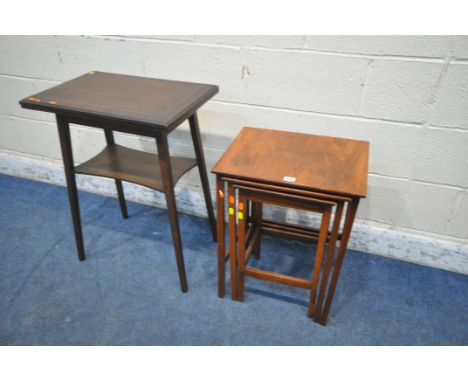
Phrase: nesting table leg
pixel 326 268
pixel 329 260
pixel 322 239
pixel 242 215
pixel 257 224
pixel 168 185
pixel 221 237
pixel 67 154
pixel 348 225
pixel 118 183
pixel 197 143
pixel 232 240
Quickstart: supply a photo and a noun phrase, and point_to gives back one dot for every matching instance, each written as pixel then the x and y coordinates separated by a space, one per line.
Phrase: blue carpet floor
pixel 127 291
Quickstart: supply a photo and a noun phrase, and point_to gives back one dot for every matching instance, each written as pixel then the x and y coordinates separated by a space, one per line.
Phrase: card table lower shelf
pixel 119 162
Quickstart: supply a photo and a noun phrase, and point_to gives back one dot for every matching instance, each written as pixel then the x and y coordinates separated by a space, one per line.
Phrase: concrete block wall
pixel 407 95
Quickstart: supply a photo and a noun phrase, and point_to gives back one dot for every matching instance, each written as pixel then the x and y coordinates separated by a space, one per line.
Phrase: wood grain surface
pixel 162 104
pixel 310 162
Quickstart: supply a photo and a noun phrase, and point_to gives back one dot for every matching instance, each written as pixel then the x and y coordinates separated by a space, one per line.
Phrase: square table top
pixel 312 162
pixel 162 104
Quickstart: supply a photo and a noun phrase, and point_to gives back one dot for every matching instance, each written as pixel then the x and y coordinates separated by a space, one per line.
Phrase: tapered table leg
pixel 232 240
pixel 118 183
pixel 197 144
pixel 329 260
pixel 322 239
pixel 67 154
pixel 168 185
pixel 242 214
pixel 348 225
pixel 221 237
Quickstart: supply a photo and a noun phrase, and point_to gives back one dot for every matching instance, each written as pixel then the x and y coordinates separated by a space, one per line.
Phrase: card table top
pixel 160 104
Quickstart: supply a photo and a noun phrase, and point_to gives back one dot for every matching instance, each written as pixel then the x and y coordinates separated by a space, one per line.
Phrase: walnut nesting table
pixel 323 174
pixel 135 105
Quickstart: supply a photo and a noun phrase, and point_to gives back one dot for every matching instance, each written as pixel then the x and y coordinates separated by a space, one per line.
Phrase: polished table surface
pixel 156 103
pixel 135 105
pixel 305 161
pixel 264 166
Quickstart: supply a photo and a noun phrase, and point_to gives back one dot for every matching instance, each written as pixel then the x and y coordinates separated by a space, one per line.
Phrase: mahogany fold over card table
pixel 322 174
pixel 135 105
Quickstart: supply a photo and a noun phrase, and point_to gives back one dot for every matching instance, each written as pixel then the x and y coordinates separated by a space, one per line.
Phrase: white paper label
pixel 289 178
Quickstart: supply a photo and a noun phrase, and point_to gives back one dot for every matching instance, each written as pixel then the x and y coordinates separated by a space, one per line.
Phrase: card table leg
pixel 67 154
pixel 118 183
pixel 168 184
pixel 197 144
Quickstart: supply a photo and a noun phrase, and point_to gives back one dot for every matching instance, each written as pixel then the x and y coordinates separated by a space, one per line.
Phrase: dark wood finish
pixel 133 166
pixel 118 183
pixel 288 190
pixel 232 240
pixel 103 123
pixel 310 234
pixel 257 221
pixel 241 256
pixel 350 215
pixel 168 185
pixel 318 163
pixel 134 105
pixel 330 171
pixel 277 278
pixel 246 194
pixel 67 154
pixel 251 243
pixel 311 309
pixel 197 144
pixel 250 232
pixel 329 260
pixel 220 198
pixel 154 103
pixel 285 200
pixel 287 234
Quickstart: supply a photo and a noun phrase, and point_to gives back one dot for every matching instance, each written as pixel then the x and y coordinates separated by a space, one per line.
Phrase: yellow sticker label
pixel 241 215
pixel 231 211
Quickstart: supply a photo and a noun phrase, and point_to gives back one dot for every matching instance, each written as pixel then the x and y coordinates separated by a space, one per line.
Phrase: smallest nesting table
pixel 316 173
